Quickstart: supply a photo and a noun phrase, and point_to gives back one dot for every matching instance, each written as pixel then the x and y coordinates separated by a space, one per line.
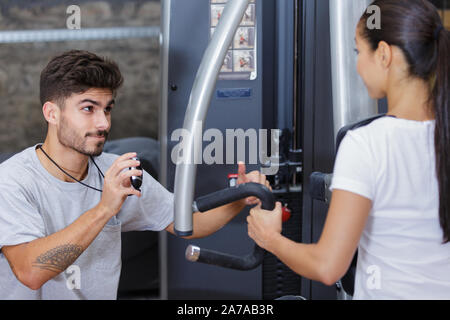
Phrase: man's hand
pixel 254 176
pixel 117 185
pixel 263 225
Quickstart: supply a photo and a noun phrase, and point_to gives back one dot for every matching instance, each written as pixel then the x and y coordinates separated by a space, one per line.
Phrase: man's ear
pixel 51 112
pixel 384 54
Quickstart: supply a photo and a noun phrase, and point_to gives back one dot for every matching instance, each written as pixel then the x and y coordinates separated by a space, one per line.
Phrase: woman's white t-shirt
pixel 391 161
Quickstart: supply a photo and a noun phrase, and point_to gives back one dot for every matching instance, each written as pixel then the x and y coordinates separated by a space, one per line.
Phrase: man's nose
pixel 101 121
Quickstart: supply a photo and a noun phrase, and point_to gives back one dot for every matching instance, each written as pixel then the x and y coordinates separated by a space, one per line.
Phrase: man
pixel 64 203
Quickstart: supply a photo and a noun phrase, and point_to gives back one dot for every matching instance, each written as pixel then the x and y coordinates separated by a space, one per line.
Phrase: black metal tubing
pixel 217 199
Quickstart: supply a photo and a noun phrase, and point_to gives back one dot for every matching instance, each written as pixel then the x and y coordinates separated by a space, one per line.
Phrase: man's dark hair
pixel 76 71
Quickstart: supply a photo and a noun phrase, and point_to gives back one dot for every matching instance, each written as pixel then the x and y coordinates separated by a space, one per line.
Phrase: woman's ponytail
pixel 441 102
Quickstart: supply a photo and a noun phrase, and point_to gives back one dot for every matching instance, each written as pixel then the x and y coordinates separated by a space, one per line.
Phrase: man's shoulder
pixel 12 160
pixel 18 170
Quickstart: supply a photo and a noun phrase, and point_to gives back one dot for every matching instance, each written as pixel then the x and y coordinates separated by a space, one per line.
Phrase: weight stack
pixel 278 279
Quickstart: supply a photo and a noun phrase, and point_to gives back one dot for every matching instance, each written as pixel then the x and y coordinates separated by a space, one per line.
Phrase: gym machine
pixel 285 65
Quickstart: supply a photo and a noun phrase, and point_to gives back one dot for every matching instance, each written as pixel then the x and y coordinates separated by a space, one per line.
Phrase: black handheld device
pixel 136 181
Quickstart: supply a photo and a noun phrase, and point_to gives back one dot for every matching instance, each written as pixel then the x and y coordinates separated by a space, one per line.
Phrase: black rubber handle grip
pixel 219 198
pixel 247 262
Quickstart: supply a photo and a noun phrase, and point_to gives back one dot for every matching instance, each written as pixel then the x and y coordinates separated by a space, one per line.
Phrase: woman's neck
pixel 409 99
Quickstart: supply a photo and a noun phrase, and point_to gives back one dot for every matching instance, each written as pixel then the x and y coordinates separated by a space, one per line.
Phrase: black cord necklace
pixel 84 184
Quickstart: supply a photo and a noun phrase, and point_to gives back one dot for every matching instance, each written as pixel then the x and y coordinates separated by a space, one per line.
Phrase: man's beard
pixel 69 138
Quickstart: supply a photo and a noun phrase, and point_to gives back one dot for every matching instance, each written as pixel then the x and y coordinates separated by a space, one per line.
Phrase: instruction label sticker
pixel 240 60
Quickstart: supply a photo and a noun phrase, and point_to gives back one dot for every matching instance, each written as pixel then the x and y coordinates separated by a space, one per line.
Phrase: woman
pixel 391 187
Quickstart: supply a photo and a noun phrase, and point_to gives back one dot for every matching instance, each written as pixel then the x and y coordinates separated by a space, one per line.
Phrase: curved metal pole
pixel 200 98
pixel 351 101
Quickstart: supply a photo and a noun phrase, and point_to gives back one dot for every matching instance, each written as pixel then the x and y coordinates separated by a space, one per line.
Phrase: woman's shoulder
pixel 375 125
pixel 389 133
pixel 369 132
pixel 372 138
pixel 392 127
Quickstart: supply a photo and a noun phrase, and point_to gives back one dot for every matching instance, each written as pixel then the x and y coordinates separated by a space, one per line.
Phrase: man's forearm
pixel 38 261
pixel 206 223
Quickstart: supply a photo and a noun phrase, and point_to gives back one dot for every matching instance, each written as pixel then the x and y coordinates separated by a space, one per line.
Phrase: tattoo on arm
pixel 58 259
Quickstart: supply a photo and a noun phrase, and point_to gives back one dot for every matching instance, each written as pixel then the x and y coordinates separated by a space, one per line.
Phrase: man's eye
pixel 108 109
pixel 88 108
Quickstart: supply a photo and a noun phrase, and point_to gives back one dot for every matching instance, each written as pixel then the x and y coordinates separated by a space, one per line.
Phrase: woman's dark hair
pixel 416 28
pixel 77 71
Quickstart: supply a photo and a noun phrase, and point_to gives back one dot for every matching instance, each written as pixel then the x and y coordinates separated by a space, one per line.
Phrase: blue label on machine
pixel 234 93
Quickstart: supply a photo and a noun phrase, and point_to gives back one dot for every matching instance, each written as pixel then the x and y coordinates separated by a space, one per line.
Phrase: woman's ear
pixel 384 54
pixel 51 112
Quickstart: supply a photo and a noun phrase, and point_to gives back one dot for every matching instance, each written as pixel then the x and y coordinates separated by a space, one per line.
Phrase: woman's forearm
pixel 304 259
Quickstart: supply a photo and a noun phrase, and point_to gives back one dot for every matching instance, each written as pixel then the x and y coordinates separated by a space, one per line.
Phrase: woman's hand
pixel 264 225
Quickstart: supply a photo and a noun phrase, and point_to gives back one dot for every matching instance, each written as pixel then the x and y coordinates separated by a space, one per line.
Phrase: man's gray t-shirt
pixel 35 204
